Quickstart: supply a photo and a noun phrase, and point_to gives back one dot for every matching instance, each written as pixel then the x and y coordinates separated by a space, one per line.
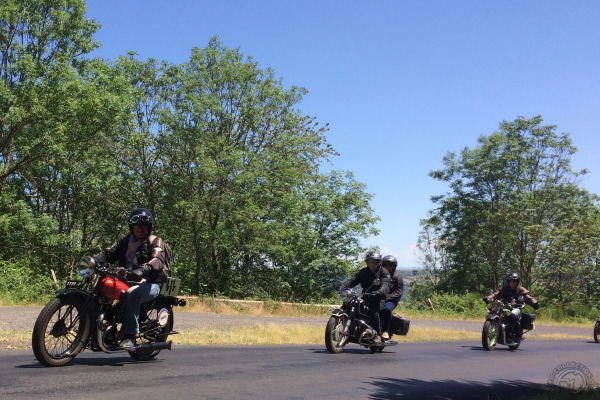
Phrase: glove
pixel 139 273
pixel 87 262
pixel 536 306
pixel 486 300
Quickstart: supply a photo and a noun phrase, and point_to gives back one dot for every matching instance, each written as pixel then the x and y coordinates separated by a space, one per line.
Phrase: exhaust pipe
pixel 155 346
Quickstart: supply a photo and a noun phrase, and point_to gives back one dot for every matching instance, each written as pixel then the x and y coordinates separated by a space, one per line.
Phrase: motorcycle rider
pixel 374 295
pixel 396 291
pixel 140 260
pixel 513 292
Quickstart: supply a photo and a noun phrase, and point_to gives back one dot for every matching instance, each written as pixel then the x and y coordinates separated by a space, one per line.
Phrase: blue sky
pixel 401 83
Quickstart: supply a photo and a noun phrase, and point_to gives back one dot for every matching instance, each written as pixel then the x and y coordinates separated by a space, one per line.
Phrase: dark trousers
pixel 386 315
pixel 515 319
pixel 375 309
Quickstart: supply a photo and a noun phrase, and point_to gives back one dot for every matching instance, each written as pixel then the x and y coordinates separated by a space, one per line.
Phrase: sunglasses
pixel 140 218
pixel 388 265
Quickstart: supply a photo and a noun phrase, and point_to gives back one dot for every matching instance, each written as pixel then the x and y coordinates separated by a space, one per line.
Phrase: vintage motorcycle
pixel 597 328
pixel 348 324
pixel 499 329
pixel 87 313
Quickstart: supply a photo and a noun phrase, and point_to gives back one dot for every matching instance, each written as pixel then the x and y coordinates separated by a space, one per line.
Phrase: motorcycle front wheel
pixel 151 332
pixel 335 340
pixel 597 332
pixel 60 331
pixel 489 335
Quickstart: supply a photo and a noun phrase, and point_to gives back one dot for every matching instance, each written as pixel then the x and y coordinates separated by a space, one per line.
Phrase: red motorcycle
pixel 87 314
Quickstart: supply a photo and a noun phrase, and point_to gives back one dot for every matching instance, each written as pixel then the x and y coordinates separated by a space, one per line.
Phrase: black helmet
pixel 373 256
pixel 389 261
pixel 513 276
pixel 140 215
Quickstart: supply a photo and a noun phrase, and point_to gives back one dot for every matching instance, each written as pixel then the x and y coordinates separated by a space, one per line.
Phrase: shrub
pixel 20 286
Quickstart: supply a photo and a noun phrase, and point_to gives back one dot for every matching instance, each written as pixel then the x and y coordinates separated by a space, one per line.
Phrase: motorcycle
pixel 88 313
pixel 597 328
pixel 499 329
pixel 348 324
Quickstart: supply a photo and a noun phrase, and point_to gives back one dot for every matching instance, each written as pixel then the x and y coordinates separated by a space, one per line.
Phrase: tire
pixel 60 331
pixel 376 349
pixel 514 346
pixel 335 340
pixel 489 335
pixel 597 332
pixel 150 317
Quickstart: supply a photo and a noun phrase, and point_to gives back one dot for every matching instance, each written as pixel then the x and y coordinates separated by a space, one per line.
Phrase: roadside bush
pixel 20 286
pixel 468 305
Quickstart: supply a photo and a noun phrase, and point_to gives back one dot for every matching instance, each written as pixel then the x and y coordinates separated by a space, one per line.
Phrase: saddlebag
pixel 399 325
pixel 528 321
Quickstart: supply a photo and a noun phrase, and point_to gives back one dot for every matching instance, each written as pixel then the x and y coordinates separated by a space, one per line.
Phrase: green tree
pixel 40 42
pixel 513 199
pixel 55 107
pixel 323 242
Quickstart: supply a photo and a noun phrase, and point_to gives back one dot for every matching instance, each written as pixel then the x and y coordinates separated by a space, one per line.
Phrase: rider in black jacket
pixel 396 291
pixel 373 294
pixel 512 292
pixel 141 258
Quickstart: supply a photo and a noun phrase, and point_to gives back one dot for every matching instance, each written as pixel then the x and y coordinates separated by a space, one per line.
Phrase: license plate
pixel 72 284
pixel 170 287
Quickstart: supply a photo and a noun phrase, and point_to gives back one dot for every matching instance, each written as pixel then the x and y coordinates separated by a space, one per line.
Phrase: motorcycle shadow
pixel 497 349
pixel 349 351
pixel 92 361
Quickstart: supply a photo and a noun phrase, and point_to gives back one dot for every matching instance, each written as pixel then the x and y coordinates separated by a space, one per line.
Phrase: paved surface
pixel 424 371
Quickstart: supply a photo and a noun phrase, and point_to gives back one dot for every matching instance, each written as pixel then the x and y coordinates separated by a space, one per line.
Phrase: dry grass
pixel 256 308
pixel 273 334
pixel 14 340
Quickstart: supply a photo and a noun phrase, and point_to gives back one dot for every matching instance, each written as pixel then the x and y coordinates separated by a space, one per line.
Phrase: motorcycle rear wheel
pixel 335 340
pixel 489 335
pixel 150 317
pixel 597 332
pixel 60 331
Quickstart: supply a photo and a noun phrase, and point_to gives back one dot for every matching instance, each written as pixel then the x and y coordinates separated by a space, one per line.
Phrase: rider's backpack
pixel 168 256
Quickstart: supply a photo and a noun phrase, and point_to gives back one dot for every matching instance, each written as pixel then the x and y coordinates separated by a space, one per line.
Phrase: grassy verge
pixel 274 334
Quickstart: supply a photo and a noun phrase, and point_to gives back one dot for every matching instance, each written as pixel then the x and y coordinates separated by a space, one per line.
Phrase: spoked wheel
pixel 335 340
pixel 60 331
pixel 489 335
pixel 155 323
pixel 597 332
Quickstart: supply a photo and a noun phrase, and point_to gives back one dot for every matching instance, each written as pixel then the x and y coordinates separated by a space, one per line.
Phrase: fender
pixel 492 317
pixel 66 292
pixel 339 313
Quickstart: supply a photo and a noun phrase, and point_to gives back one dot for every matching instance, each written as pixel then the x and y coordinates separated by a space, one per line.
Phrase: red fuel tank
pixel 113 288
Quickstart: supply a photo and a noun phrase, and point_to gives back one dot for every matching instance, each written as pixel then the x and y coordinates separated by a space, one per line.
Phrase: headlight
pixel 346 295
pixel 86 273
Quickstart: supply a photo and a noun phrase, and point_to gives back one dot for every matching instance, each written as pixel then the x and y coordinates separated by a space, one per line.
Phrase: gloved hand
pixel 139 273
pixel 536 306
pixel 368 296
pixel 486 300
pixel 87 262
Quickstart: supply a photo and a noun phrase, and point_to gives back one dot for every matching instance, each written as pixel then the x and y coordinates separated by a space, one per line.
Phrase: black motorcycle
pixel 87 314
pixel 349 324
pixel 498 327
pixel 597 328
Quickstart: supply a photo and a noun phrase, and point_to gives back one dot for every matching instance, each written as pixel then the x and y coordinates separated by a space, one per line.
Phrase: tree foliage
pixel 216 147
pixel 515 205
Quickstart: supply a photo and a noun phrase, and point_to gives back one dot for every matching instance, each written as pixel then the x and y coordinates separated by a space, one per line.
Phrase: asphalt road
pixel 439 370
